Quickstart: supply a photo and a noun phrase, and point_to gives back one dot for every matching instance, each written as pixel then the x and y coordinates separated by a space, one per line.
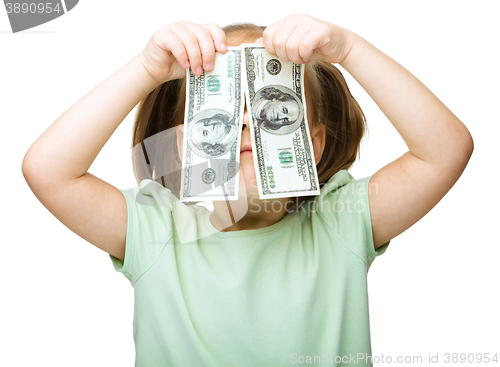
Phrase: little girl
pixel 253 282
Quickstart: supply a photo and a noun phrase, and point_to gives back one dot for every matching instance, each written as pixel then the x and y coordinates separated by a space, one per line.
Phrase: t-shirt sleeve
pixel 149 228
pixel 345 207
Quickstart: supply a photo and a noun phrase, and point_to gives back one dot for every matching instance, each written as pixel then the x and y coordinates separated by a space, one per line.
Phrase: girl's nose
pixel 245 119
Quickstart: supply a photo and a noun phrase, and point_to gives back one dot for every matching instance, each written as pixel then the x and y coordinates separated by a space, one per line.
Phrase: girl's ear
pixel 318 135
pixel 179 131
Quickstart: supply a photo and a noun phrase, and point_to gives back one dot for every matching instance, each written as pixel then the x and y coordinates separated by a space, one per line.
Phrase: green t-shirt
pixel 293 292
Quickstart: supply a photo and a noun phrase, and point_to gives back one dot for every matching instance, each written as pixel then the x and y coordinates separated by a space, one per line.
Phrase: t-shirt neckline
pixel 245 232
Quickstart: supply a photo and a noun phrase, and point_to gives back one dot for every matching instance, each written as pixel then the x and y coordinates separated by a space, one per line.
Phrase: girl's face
pixel 246 156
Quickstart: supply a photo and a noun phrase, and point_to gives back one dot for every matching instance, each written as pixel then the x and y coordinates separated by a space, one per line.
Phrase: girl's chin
pixel 248 182
pixel 249 187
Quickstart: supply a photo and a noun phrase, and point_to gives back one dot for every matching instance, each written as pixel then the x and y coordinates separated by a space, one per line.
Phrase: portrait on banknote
pixel 277 110
pixel 212 133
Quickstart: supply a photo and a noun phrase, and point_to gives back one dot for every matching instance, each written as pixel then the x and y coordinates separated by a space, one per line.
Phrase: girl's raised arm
pixel 439 144
pixel 55 166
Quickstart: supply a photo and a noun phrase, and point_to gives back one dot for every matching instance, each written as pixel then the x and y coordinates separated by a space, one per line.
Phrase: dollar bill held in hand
pixel 212 130
pixel 283 154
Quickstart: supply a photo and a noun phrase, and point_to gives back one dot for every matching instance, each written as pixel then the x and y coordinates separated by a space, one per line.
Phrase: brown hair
pixel 155 156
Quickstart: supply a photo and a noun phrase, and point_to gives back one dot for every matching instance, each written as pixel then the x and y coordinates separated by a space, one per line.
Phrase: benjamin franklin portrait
pixel 212 132
pixel 277 110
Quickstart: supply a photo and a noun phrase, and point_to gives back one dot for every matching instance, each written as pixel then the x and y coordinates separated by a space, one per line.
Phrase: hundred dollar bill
pixel 281 143
pixel 212 130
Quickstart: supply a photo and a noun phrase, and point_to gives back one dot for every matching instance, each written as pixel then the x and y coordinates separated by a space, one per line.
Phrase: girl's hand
pixel 178 46
pixel 301 38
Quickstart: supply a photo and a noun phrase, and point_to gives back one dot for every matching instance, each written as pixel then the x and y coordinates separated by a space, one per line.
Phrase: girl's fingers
pixel 281 37
pixel 218 36
pixel 170 42
pixel 294 43
pixel 194 45
pixel 307 45
pixel 191 45
pixel 201 42
pixel 294 38
pixel 206 46
pixel 269 33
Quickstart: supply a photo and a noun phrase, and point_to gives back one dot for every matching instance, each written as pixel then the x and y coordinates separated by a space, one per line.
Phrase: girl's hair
pixel 154 141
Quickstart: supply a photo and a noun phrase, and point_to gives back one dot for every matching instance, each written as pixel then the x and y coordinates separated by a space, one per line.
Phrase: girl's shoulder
pixel 342 208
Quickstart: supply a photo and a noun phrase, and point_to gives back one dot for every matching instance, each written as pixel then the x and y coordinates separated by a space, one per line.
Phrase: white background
pixel 436 290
